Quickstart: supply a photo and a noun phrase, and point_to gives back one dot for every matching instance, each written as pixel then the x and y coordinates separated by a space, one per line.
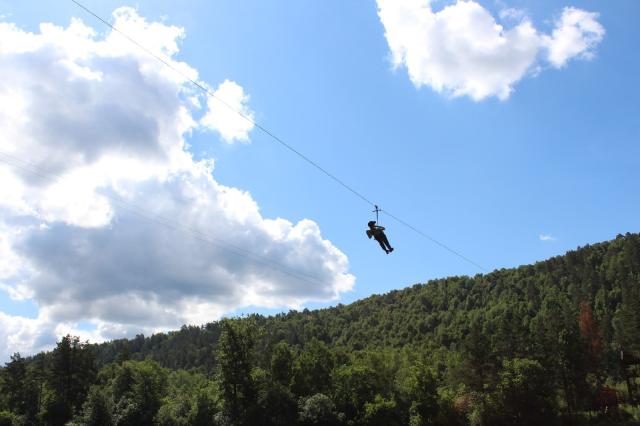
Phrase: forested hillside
pixel 506 307
pixel 533 344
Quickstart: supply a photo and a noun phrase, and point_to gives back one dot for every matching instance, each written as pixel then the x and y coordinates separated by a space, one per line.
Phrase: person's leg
pixel 379 240
pixel 386 242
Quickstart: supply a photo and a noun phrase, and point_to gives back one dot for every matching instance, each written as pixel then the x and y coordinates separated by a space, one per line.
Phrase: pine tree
pixel 13 383
pixel 236 361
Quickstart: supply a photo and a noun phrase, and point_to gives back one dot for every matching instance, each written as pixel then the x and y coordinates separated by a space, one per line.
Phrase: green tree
pixel 381 412
pixel 423 394
pixel 96 410
pixel 138 389
pixel 7 418
pixel 36 384
pixel 190 399
pixel 123 381
pixel 71 374
pixel 312 369
pixel 318 410
pixel 204 409
pixel 277 404
pixel 236 360
pixel 523 396
pixel 13 384
pixel 627 317
pixel 479 364
pixel 354 385
pixel 282 363
pixel 560 347
pixel 148 390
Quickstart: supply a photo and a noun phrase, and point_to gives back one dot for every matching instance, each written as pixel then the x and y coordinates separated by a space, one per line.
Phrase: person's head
pixel 372 223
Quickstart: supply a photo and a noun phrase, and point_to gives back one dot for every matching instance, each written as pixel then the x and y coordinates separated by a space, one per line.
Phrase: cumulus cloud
pixel 24 335
pixel 222 117
pixel 462 50
pixel 106 219
pixel 576 35
pixel 546 237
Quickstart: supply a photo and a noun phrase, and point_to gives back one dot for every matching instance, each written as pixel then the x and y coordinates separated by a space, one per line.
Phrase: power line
pixel 164 221
pixel 273 136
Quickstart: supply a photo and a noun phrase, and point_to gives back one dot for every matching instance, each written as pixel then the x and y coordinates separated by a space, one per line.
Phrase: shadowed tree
pixel 13 384
pixel 204 409
pixel 277 404
pixel 71 374
pixel 282 363
pixel 312 369
pixel 96 410
pixel 627 319
pixel 561 350
pixel 479 364
pixel 381 412
pixel 523 396
pixel 235 357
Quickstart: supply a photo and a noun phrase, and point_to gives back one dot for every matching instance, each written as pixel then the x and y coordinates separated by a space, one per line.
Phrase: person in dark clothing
pixel 377 232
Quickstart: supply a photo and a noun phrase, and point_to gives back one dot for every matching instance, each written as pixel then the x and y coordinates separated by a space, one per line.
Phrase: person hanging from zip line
pixel 377 232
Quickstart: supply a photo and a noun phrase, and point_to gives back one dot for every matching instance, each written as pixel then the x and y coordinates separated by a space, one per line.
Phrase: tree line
pixel 529 345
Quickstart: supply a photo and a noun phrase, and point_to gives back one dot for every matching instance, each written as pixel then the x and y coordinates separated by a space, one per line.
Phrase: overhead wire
pixel 273 136
pixel 433 240
pixel 167 222
pixel 226 104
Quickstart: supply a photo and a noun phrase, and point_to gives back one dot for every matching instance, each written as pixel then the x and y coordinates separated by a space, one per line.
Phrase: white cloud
pixel 104 128
pixel 546 237
pixel 24 335
pixel 512 14
pixel 576 35
pixel 222 116
pixel 462 50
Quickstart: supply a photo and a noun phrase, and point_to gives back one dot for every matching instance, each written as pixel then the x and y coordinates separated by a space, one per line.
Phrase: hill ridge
pixel 432 315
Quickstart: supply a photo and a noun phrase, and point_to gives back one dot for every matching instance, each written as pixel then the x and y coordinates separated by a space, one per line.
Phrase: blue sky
pixel 559 156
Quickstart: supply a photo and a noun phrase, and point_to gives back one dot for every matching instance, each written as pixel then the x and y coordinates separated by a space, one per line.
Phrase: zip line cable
pixel 164 221
pixel 222 101
pixel 397 219
pixel 273 136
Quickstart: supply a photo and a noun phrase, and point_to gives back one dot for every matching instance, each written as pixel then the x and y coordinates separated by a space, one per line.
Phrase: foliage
pixel 236 360
pixel 318 409
pixel 523 395
pixel 530 345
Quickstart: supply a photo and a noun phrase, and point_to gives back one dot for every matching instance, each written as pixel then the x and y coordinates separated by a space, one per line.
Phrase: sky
pixel 132 202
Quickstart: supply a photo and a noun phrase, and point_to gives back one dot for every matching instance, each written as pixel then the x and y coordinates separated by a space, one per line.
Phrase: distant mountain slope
pixel 504 307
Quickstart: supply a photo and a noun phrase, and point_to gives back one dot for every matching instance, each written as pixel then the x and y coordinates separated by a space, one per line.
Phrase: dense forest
pixel 538 344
